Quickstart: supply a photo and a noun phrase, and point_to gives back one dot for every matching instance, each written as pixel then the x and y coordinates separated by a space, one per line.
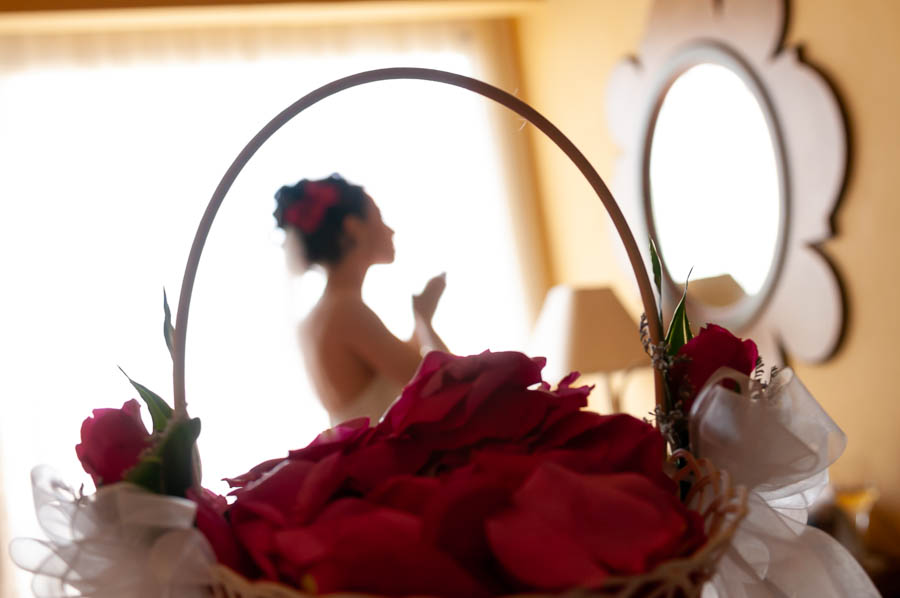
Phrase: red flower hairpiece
pixel 307 213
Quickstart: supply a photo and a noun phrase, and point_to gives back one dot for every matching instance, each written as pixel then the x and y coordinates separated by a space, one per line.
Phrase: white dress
pixel 372 402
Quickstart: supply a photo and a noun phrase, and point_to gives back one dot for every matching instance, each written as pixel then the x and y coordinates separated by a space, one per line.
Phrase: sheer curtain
pixel 111 144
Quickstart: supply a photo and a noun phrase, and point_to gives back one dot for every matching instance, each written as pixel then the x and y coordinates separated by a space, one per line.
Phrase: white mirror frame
pixel 800 309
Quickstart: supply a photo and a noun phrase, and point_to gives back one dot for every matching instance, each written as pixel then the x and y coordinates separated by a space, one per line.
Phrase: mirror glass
pixel 714 183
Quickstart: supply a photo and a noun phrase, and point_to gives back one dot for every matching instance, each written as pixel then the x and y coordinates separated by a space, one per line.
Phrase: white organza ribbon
pixel 121 542
pixel 778 443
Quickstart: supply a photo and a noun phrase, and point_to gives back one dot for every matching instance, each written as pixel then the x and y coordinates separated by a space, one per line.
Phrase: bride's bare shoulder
pixel 335 309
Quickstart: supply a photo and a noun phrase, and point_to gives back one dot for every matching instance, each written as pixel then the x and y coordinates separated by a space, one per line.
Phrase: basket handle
pixel 474 85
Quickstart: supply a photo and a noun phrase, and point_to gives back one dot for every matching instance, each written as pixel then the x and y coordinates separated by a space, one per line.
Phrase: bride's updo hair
pixel 315 211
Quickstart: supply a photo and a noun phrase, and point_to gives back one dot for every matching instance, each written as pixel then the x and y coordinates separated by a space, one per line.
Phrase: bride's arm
pixel 424 338
pixel 366 335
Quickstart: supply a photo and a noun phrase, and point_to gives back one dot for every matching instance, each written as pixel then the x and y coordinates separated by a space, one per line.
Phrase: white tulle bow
pixel 121 542
pixel 777 442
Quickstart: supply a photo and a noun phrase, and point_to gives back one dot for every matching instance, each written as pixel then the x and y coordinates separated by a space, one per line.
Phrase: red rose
pixel 308 213
pixel 111 442
pixel 698 359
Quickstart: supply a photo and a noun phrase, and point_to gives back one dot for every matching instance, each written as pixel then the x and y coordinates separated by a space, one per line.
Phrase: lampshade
pixel 588 330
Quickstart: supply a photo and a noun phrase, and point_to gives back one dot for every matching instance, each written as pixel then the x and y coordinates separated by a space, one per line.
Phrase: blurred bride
pixel 356 365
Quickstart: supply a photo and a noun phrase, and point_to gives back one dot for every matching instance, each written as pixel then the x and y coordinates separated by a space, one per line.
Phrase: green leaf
pixel 169 467
pixel 679 328
pixel 657 279
pixel 147 474
pixel 657 269
pixel 168 328
pixel 160 412
pixel 177 452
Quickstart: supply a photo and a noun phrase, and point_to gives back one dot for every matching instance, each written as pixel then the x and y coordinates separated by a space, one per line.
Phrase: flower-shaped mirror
pixel 734 158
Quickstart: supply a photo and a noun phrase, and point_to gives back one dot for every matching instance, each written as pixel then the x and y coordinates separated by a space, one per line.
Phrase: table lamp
pixel 588 330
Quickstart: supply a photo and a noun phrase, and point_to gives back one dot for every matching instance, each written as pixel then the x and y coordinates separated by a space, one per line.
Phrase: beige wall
pixel 568 48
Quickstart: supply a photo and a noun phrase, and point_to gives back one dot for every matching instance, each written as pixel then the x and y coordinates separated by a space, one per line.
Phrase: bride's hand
pixel 425 303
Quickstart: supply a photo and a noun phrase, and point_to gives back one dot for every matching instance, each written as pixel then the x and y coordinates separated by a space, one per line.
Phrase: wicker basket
pixel 710 491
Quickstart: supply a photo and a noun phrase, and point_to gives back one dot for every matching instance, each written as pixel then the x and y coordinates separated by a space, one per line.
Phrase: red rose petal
pixel 254 474
pixel 344 435
pixel 381 552
pixel 539 555
pixel 405 493
pixel 622 520
pixel 299 546
pixel 212 523
pixel 454 520
pixel 322 481
pixel 279 488
pixel 258 539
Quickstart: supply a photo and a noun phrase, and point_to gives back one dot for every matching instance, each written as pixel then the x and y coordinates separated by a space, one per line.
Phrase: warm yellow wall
pixel 475 6
pixel 855 43
pixel 73 16
pixel 568 49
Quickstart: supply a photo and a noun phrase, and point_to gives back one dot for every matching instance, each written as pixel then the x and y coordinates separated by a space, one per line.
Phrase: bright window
pixel 107 169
